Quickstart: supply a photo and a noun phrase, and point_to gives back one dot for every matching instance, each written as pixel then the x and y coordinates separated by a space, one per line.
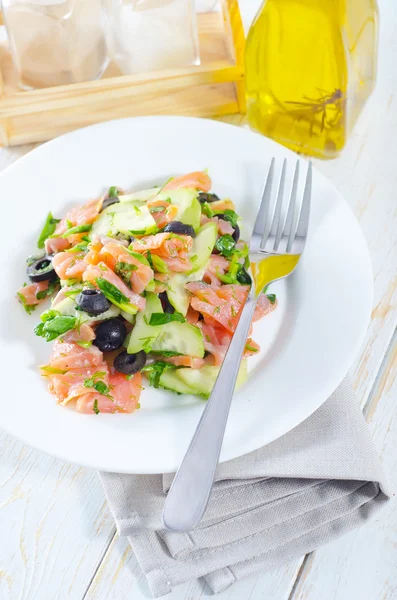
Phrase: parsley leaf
pixel 95 407
pixel 225 245
pixel 155 370
pixel 111 292
pixel 77 229
pixel 99 386
pixel 272 298
pixel 54 324
pixel 163 318
pixel 48 230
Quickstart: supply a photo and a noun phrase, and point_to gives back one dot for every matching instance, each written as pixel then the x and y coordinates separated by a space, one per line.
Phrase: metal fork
pixel 275 248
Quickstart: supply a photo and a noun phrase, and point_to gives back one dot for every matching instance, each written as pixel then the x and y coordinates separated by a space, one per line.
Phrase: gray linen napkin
pixel 305 489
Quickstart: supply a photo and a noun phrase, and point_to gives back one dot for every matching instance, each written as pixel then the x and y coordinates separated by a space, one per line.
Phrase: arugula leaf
pixel 77 229
pixel 53 326
pixel 124 270
pixel 111 292
pixel 225 245
pixel 29 308
pixel 155 370
pixel 163 318
pixel 52 286
pixel 272 298
pixel 95 407
pixel 48 229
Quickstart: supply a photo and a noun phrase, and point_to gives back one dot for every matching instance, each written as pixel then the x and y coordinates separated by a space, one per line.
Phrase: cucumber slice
pixel 202 380
pixel 203 246
pixel 189 207
pixel 169 380
pixel 177 293
pixel 137 220
pixel 180 337
pixel 124 217
pixel 176 337
pixel 143 334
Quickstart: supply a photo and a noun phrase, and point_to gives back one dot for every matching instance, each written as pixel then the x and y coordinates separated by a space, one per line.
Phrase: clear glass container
pixel 150 35
pixel 55 42
pixel 310 68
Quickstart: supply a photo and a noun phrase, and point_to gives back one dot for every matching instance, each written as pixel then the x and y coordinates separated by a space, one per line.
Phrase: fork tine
pixel 277 225
pixel 303 223
pixel 263 212
pixel 292 212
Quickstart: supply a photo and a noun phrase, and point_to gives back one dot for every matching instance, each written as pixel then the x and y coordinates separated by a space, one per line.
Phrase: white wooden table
pixel 58 539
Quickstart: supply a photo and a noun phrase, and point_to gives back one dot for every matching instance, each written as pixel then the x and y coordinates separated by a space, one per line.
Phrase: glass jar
pixel 150 35
pixel 55 42
pixel 310 68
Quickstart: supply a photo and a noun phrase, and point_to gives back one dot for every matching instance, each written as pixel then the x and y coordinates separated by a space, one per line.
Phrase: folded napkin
pixel 305 489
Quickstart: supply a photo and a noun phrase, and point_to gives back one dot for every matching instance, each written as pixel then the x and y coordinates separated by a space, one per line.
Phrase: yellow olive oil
pixel 310 67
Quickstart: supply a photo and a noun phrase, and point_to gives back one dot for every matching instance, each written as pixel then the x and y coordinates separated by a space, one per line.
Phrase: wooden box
pixel 214 88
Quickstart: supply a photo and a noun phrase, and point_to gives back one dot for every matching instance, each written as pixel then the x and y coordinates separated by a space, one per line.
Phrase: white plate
pixel 308 343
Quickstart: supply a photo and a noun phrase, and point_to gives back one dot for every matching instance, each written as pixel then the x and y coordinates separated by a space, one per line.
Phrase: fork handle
pixel 190 491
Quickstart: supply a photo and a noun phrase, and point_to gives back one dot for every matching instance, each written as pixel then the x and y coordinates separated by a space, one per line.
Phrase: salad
pixel 146 288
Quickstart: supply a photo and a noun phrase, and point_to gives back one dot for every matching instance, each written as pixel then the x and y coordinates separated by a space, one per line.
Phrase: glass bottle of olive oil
pixel 310 68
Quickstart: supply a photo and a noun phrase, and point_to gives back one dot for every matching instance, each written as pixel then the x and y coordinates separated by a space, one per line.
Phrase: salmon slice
pixel 124 393
pixel 84 334
pixel 166 245
pixel 27 295
pixel 222 205
pixel 79 215
pixel 197 180
pixel 162 211
pixel 70 356
pixel 69 265
pixel 113 254
pixel 185 361
pixel 217 265
pixel 92 273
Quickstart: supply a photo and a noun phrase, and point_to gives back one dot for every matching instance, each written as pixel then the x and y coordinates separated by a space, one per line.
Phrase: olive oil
pixel 310 68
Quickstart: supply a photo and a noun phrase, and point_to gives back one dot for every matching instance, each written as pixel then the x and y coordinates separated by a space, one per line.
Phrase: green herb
pixel 217 310
pixel 77 229
pixel 250 348
pixel 99 386
pixel 113 192
pixel 147 342
pixel 54 324
pixel 111 292
pixel 95 407
pixel 233 310
pixel 163 318
pixel 82 247
pixel 231 216
pixel 158 264
pixel 193 258
pixel 84 344
pixel 48 230
pixel 146 319
pixel 52 286
pixel 155 370
pixel 149 258
pixel 207 210
pixel 156 209
pixel 225 245
pixel 124 270
pixel 52 371
pixel 29 308
pixel 272 298
pixel 85 238
pixel 73 293
pixel 136 209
